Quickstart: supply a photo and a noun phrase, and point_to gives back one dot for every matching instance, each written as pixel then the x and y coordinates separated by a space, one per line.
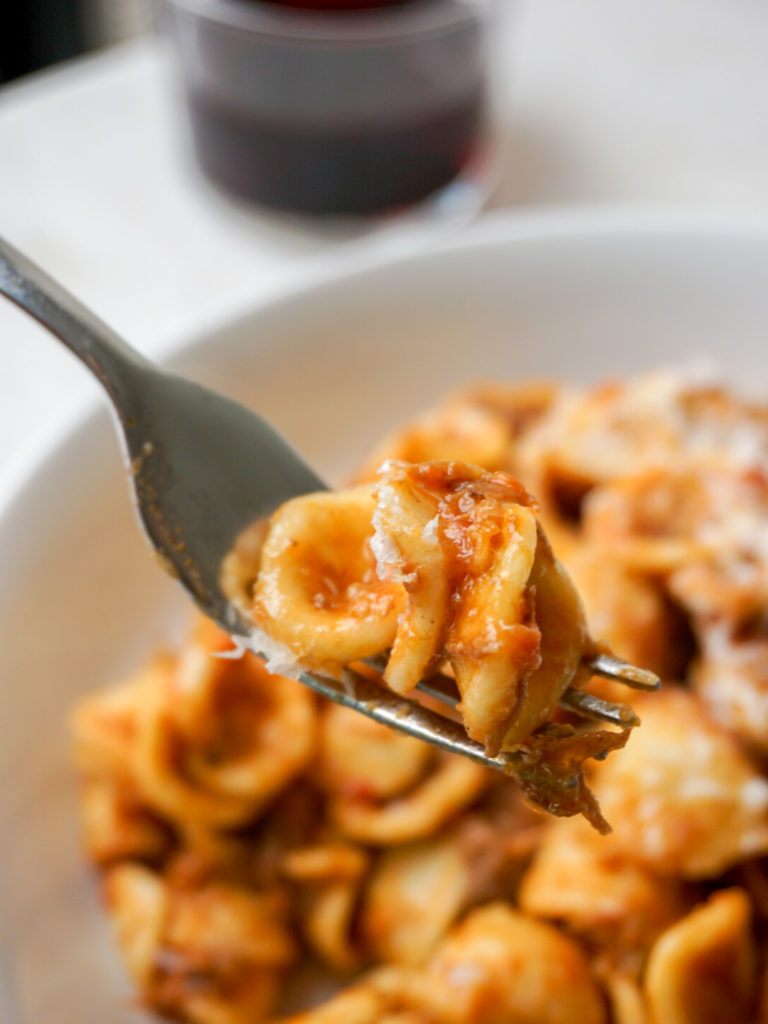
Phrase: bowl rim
pixel 360 258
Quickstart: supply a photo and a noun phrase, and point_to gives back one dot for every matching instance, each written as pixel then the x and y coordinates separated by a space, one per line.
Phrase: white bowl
pixel 334 362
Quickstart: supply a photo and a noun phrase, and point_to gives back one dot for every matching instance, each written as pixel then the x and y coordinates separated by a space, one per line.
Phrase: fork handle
pixel 104 352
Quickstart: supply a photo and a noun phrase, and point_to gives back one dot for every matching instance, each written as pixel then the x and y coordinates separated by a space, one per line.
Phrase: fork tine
pixel 585 704
pixel 385 706
pixel 614 668
pixel 441 688
pixel 588 705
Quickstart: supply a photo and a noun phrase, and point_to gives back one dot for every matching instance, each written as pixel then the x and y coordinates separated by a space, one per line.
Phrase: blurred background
pixel 601 102
pixel 37 33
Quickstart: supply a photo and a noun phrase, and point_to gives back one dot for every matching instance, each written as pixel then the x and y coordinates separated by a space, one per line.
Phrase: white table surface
pixel 606 101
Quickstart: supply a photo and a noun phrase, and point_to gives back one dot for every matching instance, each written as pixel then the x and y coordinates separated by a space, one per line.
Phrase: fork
pixel 202 468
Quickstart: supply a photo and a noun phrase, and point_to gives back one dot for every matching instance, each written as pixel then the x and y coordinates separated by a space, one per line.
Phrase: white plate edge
pixel 361 256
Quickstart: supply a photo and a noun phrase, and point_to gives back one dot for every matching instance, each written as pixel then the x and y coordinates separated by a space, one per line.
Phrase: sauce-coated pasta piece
pixel 682 796
pixel 483 590
pixel 703 969
pixel 209 955
pixel 462 572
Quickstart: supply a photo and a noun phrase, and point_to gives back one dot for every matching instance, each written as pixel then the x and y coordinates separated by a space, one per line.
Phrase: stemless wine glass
pixel 354 112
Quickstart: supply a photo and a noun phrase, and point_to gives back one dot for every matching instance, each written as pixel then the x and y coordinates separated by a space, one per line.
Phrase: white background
pixel 605 101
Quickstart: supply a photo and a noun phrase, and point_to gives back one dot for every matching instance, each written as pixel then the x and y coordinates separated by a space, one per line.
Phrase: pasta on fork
pixel 442 572
pixel 438 562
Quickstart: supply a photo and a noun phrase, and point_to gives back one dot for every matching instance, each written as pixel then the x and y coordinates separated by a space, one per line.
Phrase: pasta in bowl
pixel 245 829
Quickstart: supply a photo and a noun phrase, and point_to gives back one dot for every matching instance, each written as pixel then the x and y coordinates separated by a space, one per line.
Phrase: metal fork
pixel 202 468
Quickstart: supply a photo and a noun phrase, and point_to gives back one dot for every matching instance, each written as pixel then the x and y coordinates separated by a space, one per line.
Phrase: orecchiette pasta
pixel 118 826
pixel 318 592
pixel 196 739
pixel 358 757
pixel 732 679
pixel 483 590
pixel 332 876
pixel 452 786
pixel 684 798
pixel 702 969
pixel 628 612
pixel 499 966
pixel 415 892
pixel 262 850
pixel 480 427
pixel 581 879
pixel 219 738
pixel 462 572
pixel 211 955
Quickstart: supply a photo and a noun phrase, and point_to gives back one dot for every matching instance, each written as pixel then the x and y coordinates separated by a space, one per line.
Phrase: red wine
pixel 372 113
pixel 365 168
